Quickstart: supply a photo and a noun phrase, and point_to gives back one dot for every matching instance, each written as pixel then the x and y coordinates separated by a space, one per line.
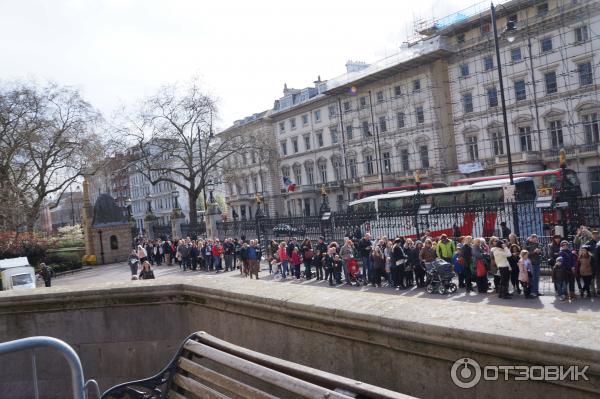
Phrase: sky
pixel 116 52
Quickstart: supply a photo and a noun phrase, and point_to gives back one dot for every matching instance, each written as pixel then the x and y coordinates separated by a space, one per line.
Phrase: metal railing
pixel 78 384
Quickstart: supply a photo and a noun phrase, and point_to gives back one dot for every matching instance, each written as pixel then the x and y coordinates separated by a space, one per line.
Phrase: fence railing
pixel 78 384
pixel 477 220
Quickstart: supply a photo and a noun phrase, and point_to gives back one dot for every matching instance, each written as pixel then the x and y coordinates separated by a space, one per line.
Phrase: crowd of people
pixel 505 266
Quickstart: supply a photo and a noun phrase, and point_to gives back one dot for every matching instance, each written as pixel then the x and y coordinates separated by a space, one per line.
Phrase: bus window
pixel 390 204
pixel 525 191
pixel 450 199
pixel 550 181
pixel 483 196
pixel 363 207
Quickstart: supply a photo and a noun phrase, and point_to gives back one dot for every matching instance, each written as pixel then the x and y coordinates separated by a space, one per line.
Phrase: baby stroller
pixel 439 277
pixel 354 272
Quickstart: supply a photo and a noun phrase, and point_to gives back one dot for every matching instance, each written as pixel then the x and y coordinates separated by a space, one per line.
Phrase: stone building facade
pixel 434 108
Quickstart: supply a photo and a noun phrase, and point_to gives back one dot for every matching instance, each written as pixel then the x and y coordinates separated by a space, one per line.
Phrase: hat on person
pixel 559 259
pixel 397 241
pixel 564 242
pixel 444 236
pixel 418 242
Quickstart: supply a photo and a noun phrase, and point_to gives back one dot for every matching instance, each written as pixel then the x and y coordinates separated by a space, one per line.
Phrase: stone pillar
pixel 87 218
pixel 212 216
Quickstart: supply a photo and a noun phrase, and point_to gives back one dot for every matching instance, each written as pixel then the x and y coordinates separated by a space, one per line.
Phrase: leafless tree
pixel 48 141
pixel 175 137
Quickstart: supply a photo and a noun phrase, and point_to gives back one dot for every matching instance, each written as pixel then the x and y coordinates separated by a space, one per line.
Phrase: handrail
pixel 65 350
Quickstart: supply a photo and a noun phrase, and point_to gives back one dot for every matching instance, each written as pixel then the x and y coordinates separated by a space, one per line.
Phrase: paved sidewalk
pixel 119 272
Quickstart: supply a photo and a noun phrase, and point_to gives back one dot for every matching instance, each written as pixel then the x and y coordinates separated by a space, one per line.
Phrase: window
pixel 347 107
pixel 400 119
pixel 349 132
pixel 556 135
pixel 382 124
pixel 318 115
pixel 515 54
pixel 464 70
pixel 467 102
pixel 497 143
pixel 460 38
pixel 520 93
pixel 337 168
pixel 255 183
pixel 486 28
pixel 472 149
pixel 281 127
pixel 320 138
pixel 244 162
pixel 387 163
pixel 334 134
pixel 590 128
pixel 546 44
pixel 293 123
pixel 525 138
pixel 542 9
pixel 581 34
pixel 404 159
pixel 331 110
pixel 295 145
pixel 594 175
pixel 353 169
pixel 310 174
pixel 420 115
pixel 416 85
pixel 397 91
pixel 585 74
pixel 298 174
pixel 323 172
pixel 369 169
pixel 380 96
pixel 304 120
pixel 307 142
pixel 284 148
pixel 424 153
pixel 488 62
pixel 363 102
pixel 492 95
pixel 114 242
pixel 550 81
pixel 365 128
pixel 253 157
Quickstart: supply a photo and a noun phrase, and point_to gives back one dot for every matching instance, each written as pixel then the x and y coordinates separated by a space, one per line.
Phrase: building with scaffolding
pixel 434 107
pixel 551 88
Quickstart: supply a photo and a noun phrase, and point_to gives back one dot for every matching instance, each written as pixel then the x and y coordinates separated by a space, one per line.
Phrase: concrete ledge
pixel 409 341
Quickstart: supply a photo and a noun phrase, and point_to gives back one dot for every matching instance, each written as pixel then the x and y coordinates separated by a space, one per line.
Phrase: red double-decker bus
pixel 407 187
pixel 551 182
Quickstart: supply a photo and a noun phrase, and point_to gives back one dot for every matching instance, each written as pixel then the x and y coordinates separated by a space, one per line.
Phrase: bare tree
pixel 176 139
pixel 51 142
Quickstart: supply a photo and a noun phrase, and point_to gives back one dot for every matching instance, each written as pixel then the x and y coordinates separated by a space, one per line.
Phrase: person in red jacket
pixel 296 262
pixel 217 251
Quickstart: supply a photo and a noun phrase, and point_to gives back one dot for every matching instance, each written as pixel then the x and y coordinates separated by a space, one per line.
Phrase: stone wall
pixel 123 234
pixel 130 330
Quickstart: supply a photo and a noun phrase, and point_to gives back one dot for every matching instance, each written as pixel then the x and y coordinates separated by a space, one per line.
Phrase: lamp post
pixel 175 214
pixel 132 222
pixel 417 201
pixel 510 27
pixel 324 201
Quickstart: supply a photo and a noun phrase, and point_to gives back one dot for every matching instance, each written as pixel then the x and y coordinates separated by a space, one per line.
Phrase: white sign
pixel 467 168
pixel 509 193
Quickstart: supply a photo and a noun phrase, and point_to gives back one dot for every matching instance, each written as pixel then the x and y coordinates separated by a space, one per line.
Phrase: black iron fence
pixel 476 220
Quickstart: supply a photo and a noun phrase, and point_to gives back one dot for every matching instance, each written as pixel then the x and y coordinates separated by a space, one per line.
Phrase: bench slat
pixel 239 389
pixel 320 377
pixel 274 377
pixel 196 388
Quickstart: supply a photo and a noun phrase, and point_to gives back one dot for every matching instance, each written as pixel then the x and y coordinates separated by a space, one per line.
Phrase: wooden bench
pixel 207 367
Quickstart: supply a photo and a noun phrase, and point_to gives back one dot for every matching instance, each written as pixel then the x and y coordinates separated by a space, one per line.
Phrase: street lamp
pixel 175 195
pixel 128 203
pixel 511 26
pixel 324 201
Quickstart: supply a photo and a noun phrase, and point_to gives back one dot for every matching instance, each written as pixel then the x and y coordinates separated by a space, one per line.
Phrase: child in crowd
pixel 317 265
pixel 525 273
pixel 296 262
pixel 458 261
